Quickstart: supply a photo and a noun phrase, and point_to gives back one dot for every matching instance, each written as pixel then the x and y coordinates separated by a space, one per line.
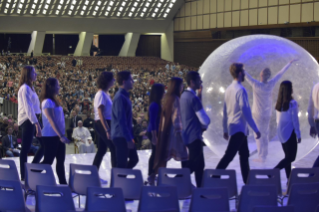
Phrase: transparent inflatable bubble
pixel 257 52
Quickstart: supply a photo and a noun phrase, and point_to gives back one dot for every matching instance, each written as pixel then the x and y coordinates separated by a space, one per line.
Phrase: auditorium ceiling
pixel 123 9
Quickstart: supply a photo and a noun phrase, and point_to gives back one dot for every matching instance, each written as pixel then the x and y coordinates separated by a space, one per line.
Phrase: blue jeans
pixel 12 153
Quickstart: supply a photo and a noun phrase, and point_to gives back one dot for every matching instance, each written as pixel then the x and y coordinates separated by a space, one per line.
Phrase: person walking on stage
pixel 102 117
pixel 236 116
pixel 28 116
pixel 313 115
pixel 121 131
pixel 154 114
pixel 53 132
pixel 170 142
pixel 288 129
pixel 194 121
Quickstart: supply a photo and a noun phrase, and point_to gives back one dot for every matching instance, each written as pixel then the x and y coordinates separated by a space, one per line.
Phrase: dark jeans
pixel 104 143
pixel 316 163
pixel 54 148
pixel 196 162
pixel 290 150
pixel 123 153
pixel 28 131
pixel 237 143
pixel 151 159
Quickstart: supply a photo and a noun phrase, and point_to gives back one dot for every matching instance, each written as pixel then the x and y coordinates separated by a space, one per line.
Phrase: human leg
pixel 102 144
pixel 39 152
pixel 121 152
pixel 9 153
pixel 50 149
pixel 60 159
pixel 262 123
pixel 133 158
pixel 244 158
pixel 28 130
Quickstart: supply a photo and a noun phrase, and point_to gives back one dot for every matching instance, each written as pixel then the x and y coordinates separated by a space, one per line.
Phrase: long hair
pixel 284 96
pixel 26 76
pixel 156 95
pixel 173 91
pixel 48 91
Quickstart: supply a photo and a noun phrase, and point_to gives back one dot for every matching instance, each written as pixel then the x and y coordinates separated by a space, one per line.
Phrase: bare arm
pixel 281 72
pixel 49 113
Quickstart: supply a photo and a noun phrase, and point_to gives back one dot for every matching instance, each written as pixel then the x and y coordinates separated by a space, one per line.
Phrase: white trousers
pixel 262 123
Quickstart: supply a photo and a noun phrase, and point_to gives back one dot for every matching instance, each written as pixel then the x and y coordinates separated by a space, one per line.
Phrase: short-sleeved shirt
pixel 47 130
pixel 192 128
pixel 102 98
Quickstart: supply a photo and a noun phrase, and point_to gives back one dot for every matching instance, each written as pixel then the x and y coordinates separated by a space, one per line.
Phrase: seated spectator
pixel 145 144
pixel 17 132
pixel 73 123
pixel 35 145
pixel 10 144
pixel 89 123
pixel 4 125
pixel 84 140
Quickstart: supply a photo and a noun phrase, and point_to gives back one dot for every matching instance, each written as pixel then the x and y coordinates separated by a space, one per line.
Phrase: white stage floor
pixel 211 161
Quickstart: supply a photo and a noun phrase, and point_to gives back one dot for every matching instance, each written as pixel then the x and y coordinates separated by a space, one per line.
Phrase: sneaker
pixel 103 182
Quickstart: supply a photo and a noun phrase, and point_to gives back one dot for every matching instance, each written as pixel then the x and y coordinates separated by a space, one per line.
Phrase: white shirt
pixel 82 134
pixel 313 107
pixel 237 111
pixel 102 98
pixel 287 121
pixel 47 130
pixel 262 93
pixel 28 105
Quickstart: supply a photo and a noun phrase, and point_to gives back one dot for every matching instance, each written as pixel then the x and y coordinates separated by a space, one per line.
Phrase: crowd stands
pixel 77 77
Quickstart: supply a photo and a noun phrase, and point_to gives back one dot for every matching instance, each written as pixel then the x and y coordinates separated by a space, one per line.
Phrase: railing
pixel 7 107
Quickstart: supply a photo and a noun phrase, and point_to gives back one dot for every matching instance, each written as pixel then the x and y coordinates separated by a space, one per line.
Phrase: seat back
pixel 53 198
pixel 38 174
pixel 304 197
pixel 130 181
pixel 212 199
pixel 274 209
pixel 11 196
pixel 257 195
pixel 303 175
pixel 159 198
pixel 265 177
pixel 218 178
pixel 180 178
pixel 105 199
pixel 8 170
pixel 82 177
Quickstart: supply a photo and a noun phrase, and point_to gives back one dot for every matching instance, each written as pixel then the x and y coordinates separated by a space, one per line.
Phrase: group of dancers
pixel 177 121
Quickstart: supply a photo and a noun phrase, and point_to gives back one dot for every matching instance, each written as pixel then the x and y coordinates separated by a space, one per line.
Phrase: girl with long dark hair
pixel 28 116
pixel 53 132
pixel 154 114
pixel 288 129
pixel 103 115
pixel 170 143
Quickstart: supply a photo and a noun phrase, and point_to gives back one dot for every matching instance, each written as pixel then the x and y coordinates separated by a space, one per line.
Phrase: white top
pixel 28 105
pixel 262 93
pixel 313 107
pixel 237 111
pixel 102 98
pixel 47 130
pixel 287 121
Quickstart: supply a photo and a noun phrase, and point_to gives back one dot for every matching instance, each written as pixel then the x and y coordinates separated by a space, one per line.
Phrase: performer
pixel 194 121
pixel 313 115
pixel 262 106
pixel 102 117
pixel 121 131
pixel 170 142
pixel 236 115
pixel 154 114
pixel 54 139
pixel 28 113
pixel 288 129
pixel 84 139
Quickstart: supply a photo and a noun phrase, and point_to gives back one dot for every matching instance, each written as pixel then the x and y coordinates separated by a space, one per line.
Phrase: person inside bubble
pixel 262 105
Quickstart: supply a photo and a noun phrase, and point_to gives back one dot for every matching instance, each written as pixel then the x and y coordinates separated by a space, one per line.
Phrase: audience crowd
pixel 77 77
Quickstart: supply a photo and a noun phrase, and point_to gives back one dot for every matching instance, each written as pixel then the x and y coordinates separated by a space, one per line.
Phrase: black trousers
pixel 237 143
pixel 103 144
pixel 54 148
pixel 123 153
pixel 28 131
pixel 152 158
pixel 290 150
pixel 316 163
pixel 196 162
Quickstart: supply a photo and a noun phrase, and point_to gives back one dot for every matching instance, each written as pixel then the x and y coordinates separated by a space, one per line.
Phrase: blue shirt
pixel 121 124
pixel 192 128
pixel 154 117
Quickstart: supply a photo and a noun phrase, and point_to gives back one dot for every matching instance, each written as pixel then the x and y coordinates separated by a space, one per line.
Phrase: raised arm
pixel 250 79
pixel 281 72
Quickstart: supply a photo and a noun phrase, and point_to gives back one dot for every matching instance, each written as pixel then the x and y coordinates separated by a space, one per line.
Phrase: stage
pixel 211 161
